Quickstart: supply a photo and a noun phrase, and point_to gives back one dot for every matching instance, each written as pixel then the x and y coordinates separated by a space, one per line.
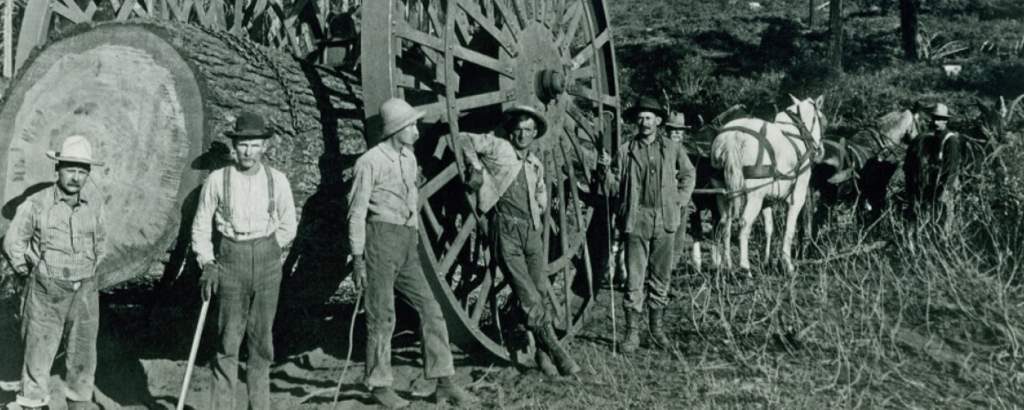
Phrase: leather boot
pixel 545 364
pixel 632 340
pixel 388 399
pixel 566 364
pixel 657 319
pixel 448 392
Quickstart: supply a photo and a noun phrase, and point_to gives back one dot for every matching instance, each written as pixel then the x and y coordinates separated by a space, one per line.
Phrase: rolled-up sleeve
pixel 202 226
pixel 100 243
pixel 358 205
pixel 288 224
pixel 19 237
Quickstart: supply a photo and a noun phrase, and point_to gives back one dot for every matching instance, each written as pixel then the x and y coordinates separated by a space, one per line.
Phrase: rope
pixel 348 356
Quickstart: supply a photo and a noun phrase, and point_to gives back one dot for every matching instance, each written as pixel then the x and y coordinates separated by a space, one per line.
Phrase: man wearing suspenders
pixel 57 237
pixel 932 169
pixel 251 206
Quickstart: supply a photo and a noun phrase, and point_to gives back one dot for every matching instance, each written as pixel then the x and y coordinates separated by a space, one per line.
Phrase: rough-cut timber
pixel 154 97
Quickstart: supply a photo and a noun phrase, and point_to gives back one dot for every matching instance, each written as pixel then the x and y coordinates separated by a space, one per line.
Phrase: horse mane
pixel 894 124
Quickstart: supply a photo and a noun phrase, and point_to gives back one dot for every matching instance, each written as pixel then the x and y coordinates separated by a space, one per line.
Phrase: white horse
pixel 765 160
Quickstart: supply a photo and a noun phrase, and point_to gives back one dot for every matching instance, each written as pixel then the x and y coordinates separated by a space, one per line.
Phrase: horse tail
pixel 727 154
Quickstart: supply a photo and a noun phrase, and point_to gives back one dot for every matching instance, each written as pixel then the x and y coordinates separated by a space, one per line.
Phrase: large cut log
pixel 154 97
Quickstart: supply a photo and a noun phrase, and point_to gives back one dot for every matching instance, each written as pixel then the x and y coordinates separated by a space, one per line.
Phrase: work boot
pixel 448 392
pixel 632 340
pixel 566 364
pixel 657 319
pixel 82 405
pixel 545 364
pixel 387 397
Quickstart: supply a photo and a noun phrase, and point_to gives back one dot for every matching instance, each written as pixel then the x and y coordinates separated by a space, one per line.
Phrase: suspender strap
pixel 270 191
pixel 226 198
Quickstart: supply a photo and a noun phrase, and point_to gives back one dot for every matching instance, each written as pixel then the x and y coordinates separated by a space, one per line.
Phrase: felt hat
pixel 940 111
pixel 542 124
pixel 248 125
pixel 398 114
pixel 677 121
pixel 648 104
pixel 74 149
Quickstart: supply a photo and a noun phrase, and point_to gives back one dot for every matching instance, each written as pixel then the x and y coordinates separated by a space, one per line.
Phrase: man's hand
pixel 208 281
pixel 359 271
pixel 475 179
pixel 604 159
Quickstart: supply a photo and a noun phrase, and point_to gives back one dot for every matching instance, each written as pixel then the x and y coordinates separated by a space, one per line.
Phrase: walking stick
pixel 192 354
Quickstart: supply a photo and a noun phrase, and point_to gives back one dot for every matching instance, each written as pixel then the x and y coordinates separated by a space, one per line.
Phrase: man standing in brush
pixel 653 180
pixel 932 170
pixel 676 128
pixel 509 178
pixel 383 220
pixel 251 207
pixel 57 236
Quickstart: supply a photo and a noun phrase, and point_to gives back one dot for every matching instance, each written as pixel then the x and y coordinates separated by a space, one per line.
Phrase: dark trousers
pixel 247 295
pixel 649 250
pixel 392 263
pixel 521 255
pixel 54 308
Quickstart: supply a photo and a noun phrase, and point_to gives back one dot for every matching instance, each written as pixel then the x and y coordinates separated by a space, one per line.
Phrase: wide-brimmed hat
pixel 648 104
pixel 248 125
pixel 677 121
pixel 940 111
pixel 75 149
pixel 542 124
pixel 398 114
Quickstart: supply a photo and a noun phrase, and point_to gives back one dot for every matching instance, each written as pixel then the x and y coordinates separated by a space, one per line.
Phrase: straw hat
pixel 74 149
pixel 249 126
pixel 542 124
pixel 398 114
pixel 677 121
pixel 648 104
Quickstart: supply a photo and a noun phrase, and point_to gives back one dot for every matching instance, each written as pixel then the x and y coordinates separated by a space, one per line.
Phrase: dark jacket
pixel 932 163
pixel 678 177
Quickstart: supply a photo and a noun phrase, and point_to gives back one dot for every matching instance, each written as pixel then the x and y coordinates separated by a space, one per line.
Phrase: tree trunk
pixel 810 13
pixel 909 28
pixel 835 39
pixel 153 98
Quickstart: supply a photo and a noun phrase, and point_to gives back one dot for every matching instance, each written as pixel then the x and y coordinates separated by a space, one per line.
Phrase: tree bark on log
pixel 835 37
pixel 909 28
pixel 155 98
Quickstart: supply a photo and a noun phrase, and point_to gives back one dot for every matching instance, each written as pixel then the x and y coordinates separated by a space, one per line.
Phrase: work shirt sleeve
pixel 288 224
pixel 476 145
pixel 19 237
pixel 686 177
pixel 358 205
pixel 202 226
pixel 100 242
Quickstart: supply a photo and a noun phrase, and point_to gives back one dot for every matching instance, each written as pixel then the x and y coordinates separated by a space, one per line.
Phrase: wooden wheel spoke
pixel 456 245
pixel 483 297
pixel 573 13
pixel 438 109
pixel 588 50
pixel 463 53
pixel 428 211
pixel 521 13
pixel 488 26
pixel 592 95
pixel 431 187
pixel 582 122
pixel 510 18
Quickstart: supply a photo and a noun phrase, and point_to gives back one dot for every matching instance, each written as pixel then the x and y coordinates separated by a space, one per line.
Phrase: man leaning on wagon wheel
pixel 58 237
pixel 251 206
pixel 509 178
pixel 653 179
pixel 383 220
pixel 932 170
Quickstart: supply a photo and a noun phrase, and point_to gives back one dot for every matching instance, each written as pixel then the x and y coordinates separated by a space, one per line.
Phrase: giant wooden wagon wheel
pixel 463 61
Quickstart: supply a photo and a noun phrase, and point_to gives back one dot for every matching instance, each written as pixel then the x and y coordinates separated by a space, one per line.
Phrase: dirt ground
pixel 144 345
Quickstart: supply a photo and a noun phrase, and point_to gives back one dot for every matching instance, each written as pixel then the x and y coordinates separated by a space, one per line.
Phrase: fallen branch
pixel 856 250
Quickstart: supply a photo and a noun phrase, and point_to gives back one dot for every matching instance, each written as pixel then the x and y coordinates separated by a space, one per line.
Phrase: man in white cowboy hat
pixel 58 237
pixel 383 221
pixel 652 179
pixel 931 169
pixel 508 177
pixel 250 205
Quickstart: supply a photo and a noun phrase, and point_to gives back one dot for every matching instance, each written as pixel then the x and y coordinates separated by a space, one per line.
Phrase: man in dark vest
pixel 58 237
pixel 652 179
pixel 251 207
pixel 931 170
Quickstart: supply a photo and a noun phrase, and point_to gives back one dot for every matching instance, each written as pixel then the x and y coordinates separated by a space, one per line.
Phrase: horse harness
pixel 761 170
